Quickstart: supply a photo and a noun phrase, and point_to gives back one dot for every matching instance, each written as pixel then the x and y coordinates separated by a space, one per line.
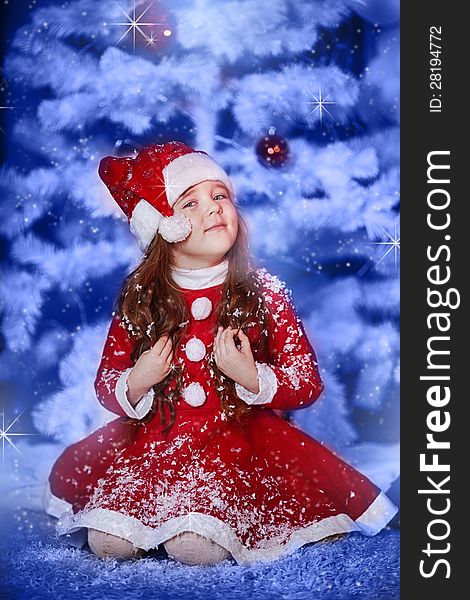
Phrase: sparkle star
pixel 152 38
pixel 393 243
pixel 5 435
pixel 320 104
pixel 135 24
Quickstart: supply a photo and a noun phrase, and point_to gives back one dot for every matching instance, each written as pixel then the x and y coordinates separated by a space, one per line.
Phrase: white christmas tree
pixel 252 83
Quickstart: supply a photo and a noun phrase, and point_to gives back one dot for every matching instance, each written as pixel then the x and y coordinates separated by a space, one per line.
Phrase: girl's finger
pixel 217 336
pixel 245 340
pixel 220 343
pixel 235 333
pixel 161 342
pixel 166 350
pixel 228 342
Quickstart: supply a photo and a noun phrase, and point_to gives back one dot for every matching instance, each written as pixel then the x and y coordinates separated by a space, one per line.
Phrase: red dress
pixel 260 489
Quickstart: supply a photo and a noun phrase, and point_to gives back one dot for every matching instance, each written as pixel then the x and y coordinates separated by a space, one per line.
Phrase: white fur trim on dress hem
pixel 52 505
pixel 373 520
pixel 55 507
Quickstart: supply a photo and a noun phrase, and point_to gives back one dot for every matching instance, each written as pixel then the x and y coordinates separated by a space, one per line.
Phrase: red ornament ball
pixel 272 150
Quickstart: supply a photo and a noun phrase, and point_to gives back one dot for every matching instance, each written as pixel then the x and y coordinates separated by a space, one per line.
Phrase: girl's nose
pixel 215 207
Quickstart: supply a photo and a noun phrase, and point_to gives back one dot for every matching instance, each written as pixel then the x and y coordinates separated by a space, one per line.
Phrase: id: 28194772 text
pixel 435 69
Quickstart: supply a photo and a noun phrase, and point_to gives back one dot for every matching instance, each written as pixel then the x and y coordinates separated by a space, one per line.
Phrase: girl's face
pixel 206 204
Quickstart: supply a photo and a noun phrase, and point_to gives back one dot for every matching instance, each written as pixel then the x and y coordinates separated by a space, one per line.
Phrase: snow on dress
pixel 260 489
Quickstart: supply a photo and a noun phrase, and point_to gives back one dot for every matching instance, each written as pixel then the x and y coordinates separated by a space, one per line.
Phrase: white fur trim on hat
pixel 144 223
pixel 189 169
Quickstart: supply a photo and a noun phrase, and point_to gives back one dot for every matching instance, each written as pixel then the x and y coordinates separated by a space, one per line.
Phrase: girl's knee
pixel 107 545
pixel 193 549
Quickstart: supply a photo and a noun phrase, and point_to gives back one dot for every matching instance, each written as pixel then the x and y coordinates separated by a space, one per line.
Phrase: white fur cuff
pixel 267 386
pixel 143 405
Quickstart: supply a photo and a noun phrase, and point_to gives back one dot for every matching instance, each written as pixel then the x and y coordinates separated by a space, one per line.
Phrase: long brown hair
pixel 151 305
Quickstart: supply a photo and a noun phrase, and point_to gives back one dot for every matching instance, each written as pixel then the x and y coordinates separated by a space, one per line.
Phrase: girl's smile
pixel 216 227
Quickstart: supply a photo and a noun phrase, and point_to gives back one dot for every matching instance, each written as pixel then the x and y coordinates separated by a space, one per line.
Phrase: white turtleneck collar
pixel 199 279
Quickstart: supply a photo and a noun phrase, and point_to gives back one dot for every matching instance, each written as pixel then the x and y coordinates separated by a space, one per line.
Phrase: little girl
pixel 203 354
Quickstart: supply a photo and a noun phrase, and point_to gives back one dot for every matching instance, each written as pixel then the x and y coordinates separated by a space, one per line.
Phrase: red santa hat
pixel 146 187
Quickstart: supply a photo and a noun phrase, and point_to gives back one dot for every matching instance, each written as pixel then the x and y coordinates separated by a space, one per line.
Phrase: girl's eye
pixel 216 196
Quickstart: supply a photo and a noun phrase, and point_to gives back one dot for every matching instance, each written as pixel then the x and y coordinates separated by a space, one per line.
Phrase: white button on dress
pixel 194 394
pixel 201 308
pixel 195 349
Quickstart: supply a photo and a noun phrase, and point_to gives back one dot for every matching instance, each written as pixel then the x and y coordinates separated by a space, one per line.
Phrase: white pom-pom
pixel 194 394
pixel 195 349
pixel 201 308
pixel 175 228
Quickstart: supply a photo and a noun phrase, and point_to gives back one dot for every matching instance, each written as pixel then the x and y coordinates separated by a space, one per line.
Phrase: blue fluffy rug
pixel 36 565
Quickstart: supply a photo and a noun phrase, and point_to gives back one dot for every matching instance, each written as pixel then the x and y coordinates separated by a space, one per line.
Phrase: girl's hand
pixel 152 366
pixel 238 364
